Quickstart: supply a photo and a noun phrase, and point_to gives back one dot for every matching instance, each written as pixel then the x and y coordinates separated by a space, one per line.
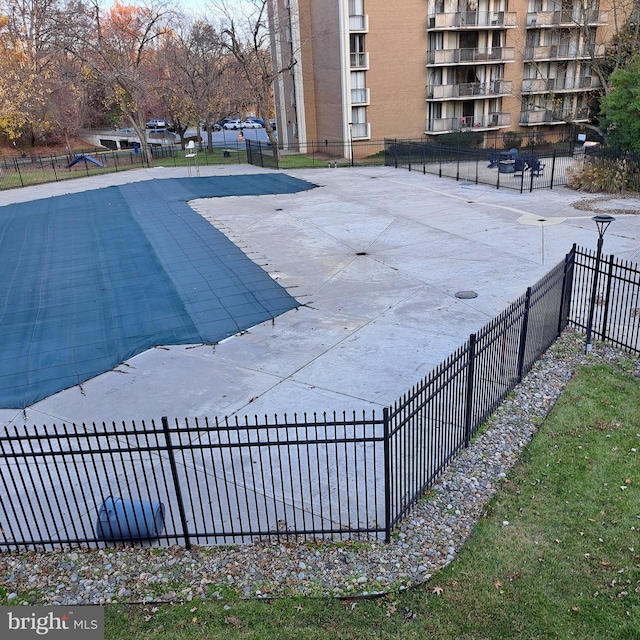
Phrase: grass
pixel 557 554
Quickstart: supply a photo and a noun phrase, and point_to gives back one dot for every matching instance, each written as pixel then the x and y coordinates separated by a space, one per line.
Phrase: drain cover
pixel 466 295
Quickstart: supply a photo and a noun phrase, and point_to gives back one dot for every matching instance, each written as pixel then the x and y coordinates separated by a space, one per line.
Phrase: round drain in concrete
pixel 466 295
pixel 362 253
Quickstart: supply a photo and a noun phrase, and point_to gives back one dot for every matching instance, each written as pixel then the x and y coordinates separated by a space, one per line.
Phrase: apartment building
pixel 374 69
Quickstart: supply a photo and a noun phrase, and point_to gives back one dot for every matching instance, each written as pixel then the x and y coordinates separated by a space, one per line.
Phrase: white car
pixel 234 123
pixel 157 124
pixel 251 124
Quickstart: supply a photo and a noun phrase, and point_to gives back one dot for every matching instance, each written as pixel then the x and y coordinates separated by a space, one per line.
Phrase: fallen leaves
pixel 233 621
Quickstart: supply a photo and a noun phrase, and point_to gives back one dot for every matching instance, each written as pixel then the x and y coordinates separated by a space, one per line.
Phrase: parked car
pixel 218 124
pixel 233 123
pixel 250 124
pixel 260 121
pixel 157 124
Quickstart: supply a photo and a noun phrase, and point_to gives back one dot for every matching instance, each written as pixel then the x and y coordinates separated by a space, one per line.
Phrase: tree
pixel 119 49
pixel 620 108
pixel 247 40
pixel 194 65
pixel 30 48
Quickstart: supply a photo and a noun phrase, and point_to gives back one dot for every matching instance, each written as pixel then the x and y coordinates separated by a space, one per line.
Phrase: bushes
pixel 462 139
pixel 512 139
pixel 607 175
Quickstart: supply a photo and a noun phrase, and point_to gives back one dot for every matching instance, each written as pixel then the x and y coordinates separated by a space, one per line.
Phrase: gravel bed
pixel 427 540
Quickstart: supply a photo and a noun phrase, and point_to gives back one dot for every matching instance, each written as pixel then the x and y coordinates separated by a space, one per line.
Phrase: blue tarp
pixel 88 280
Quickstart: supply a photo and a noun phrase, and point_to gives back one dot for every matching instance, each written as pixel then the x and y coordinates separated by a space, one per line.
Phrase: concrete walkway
pixel 375 256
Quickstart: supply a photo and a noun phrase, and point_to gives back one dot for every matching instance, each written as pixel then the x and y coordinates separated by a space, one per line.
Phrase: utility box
pixel 123 519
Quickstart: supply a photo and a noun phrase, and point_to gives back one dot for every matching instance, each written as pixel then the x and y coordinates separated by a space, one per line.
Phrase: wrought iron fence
pixel 534 167
pixel 40 169
pixel 223 482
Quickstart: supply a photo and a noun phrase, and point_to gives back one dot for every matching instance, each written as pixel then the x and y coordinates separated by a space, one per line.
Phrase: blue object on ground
pixel 89 280
pixel 79 157
pixel 120 519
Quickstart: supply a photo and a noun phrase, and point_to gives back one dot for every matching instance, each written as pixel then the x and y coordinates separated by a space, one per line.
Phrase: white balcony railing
pixel 567 50
pixel 469 89
pixel 544 116
pixel 358 23
pixel 469 123
pixel 476 19
pixel 490 55
pixel 545 85
pixel 360 96
pixel 360 60
pixel 576 18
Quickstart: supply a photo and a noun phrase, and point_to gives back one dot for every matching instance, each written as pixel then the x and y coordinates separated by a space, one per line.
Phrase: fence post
pixel 553 167
pixel 468 413
pixel 607 299
pixel 176 482
pixel 565 296
pixel 387 475
pixel 523 334
pixel 19 172
pixel 531 171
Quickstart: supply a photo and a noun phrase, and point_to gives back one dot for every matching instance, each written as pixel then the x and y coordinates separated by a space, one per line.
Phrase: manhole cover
pixel 466 295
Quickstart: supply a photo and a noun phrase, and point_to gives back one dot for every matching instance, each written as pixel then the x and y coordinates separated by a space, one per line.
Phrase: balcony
pixel 475 123
pixel 546 85
pixel 359 60
pixel 360 130
pixel 360 97
pixel 474 19
pixel 568 51
pixel 470 56
pixel 567 18
pixel 544 116
pixel 469 89
pixel 359 24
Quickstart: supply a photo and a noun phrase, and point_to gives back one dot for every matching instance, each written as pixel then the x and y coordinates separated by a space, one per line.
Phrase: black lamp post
pixel 602 222
pixel 351 141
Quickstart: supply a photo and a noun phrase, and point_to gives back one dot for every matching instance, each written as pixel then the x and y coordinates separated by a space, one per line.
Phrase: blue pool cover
pixel 88 280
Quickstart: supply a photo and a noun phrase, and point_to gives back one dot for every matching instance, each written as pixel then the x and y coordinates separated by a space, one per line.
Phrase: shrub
pixel 512 140
pixel 462 139
pixel 606 175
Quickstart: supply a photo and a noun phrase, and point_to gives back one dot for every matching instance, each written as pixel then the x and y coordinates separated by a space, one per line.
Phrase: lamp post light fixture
pixel 602 222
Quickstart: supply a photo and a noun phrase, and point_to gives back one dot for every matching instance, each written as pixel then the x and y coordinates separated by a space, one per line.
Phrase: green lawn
pixel 556 556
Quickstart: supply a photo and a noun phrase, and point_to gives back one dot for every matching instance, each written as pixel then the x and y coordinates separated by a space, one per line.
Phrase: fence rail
pixel 349 476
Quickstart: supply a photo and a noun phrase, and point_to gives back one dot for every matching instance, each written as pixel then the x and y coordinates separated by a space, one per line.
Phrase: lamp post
pixel 602 222
pixel 351 141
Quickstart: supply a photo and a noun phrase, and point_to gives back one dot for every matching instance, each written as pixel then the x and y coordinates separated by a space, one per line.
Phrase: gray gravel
pixel 427 540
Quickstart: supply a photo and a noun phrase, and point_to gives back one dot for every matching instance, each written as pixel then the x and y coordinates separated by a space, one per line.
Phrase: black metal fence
pixel 536 166
pixel 224 482
pixel 40 169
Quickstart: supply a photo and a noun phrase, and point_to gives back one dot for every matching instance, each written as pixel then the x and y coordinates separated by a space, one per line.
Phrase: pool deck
pixel 374 256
